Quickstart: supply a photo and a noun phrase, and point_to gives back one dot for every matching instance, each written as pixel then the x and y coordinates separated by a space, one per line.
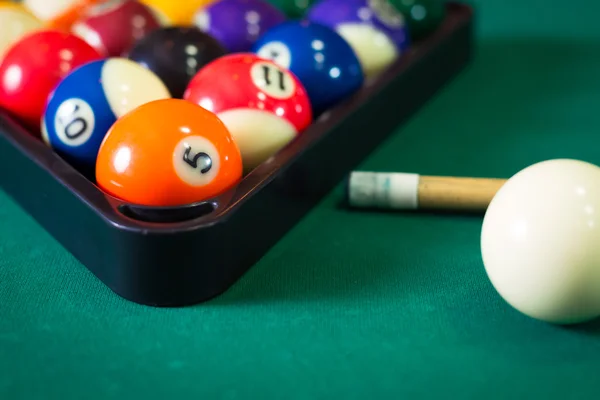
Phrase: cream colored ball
pixel 540 241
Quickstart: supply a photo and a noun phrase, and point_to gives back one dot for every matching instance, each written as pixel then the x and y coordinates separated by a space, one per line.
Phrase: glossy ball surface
pixel 59 14
pixel 238 24
pixel 15 23
pixel 177 12
pixel 263 105
pixel 176 54
pixel 34 66
pixel 88 102
pixel 375 29
pixel 322 60
pixel 147 159
pixel 422 16
pixel 114 26
pixel 293 9
pixel 540 241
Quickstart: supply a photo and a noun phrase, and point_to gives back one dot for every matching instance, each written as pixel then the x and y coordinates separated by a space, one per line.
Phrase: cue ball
pixel 168 153
pixel 540 241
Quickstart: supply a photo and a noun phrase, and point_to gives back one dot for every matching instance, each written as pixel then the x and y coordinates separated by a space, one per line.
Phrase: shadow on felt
pixel 348 264
pixel 503 90
pixel 591 328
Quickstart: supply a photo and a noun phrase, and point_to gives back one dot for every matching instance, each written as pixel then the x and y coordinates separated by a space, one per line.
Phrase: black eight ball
pixel 176 54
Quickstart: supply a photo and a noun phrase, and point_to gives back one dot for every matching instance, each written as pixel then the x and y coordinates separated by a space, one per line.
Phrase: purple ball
pixel 380 14
pixel 237 24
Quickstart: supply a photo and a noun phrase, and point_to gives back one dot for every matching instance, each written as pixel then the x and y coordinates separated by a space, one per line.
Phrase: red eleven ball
pixel 34 66
pixel 112 27
pixel 263 105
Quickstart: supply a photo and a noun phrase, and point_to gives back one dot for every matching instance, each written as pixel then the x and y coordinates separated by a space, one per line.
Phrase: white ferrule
pixel 383 190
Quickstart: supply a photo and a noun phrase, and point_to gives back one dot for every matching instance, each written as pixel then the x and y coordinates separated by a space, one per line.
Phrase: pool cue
pixel 405 191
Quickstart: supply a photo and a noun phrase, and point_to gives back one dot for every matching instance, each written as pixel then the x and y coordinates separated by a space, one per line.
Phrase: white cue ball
pixel 540 241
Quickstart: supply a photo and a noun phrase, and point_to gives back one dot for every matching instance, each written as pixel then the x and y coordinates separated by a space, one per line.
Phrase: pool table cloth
pixel 348 304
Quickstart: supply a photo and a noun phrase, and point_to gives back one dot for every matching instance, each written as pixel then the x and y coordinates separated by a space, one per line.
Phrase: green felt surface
pixel 348 305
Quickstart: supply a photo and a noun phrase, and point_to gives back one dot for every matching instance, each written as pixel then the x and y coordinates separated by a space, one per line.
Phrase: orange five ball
pixel 168 153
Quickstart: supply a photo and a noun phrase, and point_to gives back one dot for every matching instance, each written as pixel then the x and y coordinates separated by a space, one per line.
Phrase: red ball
pixel 32 69
pixel 264 105
pixel 114 26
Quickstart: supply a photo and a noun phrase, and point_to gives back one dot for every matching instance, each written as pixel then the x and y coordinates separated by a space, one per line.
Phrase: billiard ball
pixel 168 153
pixel 422 16
pixel 177 12
pixel 16 22
pixel 114 26
pixel 263 105
pixel 374 28
pixel 88 102
pixel 293 9
pixel 32 68
pixel 176 54
pixel 322 60
pixel 58 14
pixel 540 241
pixel 237 24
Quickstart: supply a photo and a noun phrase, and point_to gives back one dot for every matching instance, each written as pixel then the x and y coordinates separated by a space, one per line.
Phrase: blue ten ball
pixel 322 60
pixel 89 100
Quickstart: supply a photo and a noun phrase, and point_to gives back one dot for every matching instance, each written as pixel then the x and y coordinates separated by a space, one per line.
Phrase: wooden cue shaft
pixel 405 191
pixel 456 193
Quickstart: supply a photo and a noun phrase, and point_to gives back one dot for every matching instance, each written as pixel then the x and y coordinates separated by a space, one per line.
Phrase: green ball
pixel 422 16
pixel 294 9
